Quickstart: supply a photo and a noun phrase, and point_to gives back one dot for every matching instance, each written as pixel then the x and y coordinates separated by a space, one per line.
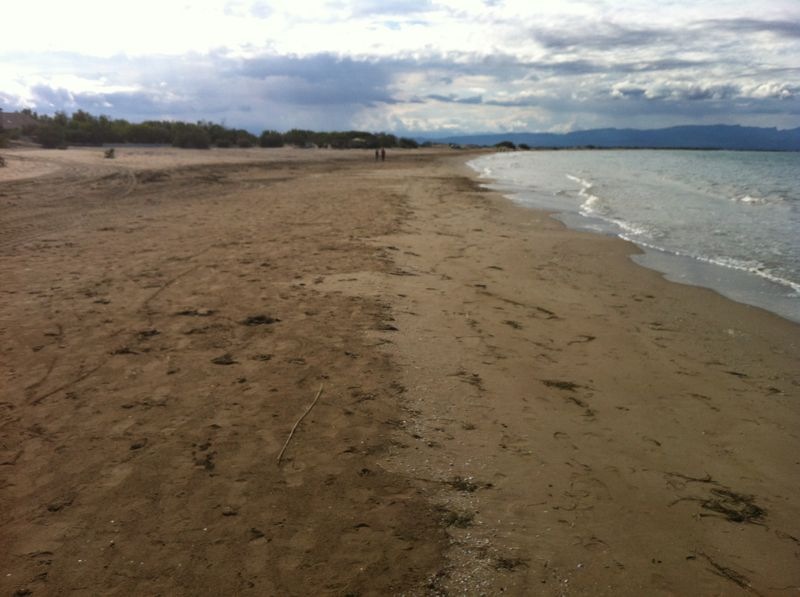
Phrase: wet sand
pixel 506 404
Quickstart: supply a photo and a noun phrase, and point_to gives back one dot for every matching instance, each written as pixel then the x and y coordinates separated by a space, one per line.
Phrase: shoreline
pixel 748 287
pixel 508 404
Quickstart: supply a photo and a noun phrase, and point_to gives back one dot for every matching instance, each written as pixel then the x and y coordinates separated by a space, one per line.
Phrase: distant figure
pixel 109 154
pixel 377 154
pixel 383 154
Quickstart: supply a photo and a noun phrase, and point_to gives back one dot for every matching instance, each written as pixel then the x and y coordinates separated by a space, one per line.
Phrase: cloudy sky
pixel 408 66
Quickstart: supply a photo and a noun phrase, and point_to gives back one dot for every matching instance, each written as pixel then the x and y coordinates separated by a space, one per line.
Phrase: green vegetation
pixel 51 135
pixel 190 136
pixel 506 145
pixel 341 139
pixel 82 128
pixel 270 139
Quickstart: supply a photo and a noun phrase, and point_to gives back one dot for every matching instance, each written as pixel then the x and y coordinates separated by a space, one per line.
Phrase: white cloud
pixel 772 89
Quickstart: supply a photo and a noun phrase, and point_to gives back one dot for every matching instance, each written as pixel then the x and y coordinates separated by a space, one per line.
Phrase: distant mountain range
pixel 677 137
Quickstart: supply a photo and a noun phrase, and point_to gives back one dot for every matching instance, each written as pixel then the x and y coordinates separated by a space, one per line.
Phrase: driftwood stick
pixel 303 416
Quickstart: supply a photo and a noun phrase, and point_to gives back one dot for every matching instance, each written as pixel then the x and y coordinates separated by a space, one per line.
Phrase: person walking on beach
pixel 383 154
pixel 377 154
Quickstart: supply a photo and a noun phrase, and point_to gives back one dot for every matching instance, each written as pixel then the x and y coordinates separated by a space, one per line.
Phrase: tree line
pixel 82 128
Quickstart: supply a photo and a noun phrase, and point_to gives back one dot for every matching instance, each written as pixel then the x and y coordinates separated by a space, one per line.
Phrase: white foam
pixel 631 228
pixel 750 200
pixel 592 204
pixel 751 267
pixel 583 182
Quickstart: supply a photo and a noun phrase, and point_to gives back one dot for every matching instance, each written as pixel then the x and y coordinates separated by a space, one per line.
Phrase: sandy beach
pixel 466 397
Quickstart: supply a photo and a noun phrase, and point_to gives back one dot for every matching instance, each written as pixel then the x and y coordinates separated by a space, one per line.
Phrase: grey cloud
pixel 254 113
pixel 53 98
pixel 570 67
pixel 662 65
pixel 600 36
pixel 606 36
pixel 789 29
pixel 138 105
pixel 474 100
pixel 505 67
pixel 320 79
pixel 321 89
pixel 304 92
pixel 441 98
pixel 638 112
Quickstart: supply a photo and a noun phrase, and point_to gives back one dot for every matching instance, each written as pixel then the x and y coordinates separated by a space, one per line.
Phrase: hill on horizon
pixel 735 137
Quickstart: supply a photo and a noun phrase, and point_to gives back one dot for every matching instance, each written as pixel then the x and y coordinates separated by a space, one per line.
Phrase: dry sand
pixel 507 405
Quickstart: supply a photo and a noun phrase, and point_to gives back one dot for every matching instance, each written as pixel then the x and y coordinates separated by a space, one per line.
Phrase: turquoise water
pixel 720 219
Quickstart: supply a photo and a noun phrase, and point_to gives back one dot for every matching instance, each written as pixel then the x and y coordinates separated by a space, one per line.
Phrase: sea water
pixel 725 220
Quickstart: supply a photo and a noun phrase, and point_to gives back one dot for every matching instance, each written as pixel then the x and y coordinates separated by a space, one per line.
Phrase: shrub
pixel 190 136
pixel 270 139
pixel 149 132
pixel 244 139
pixel 51 136
pixel 298 137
